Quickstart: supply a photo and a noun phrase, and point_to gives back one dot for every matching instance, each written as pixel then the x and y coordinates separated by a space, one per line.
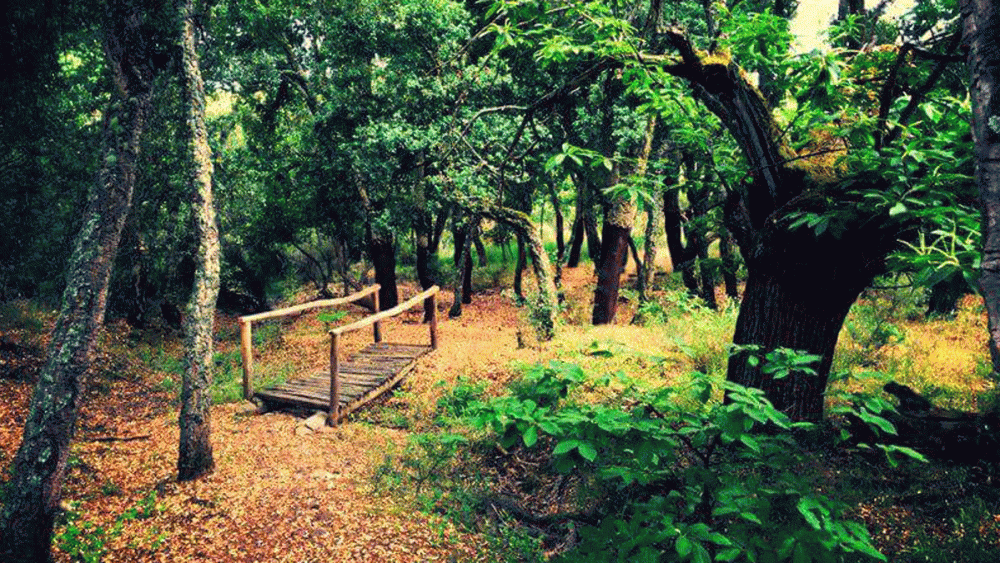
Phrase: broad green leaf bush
pixel 679 475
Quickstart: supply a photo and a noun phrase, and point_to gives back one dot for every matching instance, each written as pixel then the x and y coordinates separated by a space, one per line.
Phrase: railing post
pixel 377 327
pixel 333 417
pixel 432 315
pixel 246 350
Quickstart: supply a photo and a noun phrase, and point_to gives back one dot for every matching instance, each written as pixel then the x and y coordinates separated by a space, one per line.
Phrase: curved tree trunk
pixel 982 31
pixel 800 285
pixel 39 467
pixel 195 453
pixel 524 228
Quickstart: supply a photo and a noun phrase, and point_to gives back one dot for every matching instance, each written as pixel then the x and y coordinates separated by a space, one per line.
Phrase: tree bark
pixel 382 251
pixel 800 284
pixel 614 252
pixel 195 453
pixel 39 467
pixel 575 241
pixel 982 31
pixel 464 257
pixel 654 216
pixel 730 265
pixel 673 221
pixel 544 315
pixel 522 263
pixel 619 216
pixel 560 226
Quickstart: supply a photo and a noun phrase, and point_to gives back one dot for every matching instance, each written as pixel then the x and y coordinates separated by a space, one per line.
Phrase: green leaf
pixel 587 451
pixel 565 446
pixel 701 554
pixel 897 209
pixel 683 546
pixel 530 436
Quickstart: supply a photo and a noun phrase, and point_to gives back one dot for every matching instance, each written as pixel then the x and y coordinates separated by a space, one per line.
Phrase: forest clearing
pixel 378 488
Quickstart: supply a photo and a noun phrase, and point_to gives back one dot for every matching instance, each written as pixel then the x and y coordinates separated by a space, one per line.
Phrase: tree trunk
pixel 32 496
pixel 195 454
pixel 707 284
pixel 982 31
pixel 464 256
pixel 423 232
pixel 575 241
pixel 654 213
pixel 618 219
pixel 778 312
pixel 544 314
pixel 522 263
pixel 680 259
pixel 730 265
pixel 800 285
pixel 382 251
pixel 614 251
pixel 481 250
pixel 593 237
pixel 560 236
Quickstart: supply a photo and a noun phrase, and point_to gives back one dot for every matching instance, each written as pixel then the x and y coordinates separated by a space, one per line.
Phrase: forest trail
pixel 278 493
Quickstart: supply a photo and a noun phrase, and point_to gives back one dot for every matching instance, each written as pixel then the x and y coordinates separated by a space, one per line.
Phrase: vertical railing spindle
pixel 333 417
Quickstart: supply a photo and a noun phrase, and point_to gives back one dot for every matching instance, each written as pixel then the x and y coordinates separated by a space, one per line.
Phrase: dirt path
pixel 277 495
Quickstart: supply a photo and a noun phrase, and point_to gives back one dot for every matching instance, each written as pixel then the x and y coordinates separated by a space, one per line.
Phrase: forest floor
pixel 285 494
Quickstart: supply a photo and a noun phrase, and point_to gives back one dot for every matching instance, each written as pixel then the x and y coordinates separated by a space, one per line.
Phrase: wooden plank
pixel 364 376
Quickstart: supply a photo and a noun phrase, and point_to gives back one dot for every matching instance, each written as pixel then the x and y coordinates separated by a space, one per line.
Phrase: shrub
pixel 720 481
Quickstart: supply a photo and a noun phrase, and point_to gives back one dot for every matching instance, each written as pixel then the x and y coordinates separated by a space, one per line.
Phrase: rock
pixel 316 421
pixel 302 431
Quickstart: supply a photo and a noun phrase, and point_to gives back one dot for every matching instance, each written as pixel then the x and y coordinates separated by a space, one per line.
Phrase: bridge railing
pixel 427 297
pixel 246 327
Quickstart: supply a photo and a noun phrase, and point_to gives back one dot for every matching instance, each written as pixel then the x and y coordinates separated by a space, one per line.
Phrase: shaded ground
pixel 275 495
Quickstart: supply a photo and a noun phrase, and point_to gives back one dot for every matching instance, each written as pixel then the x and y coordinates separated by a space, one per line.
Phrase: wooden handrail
pixel 312 305
pixel 404 306
pixel 246 327
pixel 428 298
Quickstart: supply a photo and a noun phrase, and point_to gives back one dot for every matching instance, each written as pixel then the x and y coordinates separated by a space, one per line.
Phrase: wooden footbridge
pixel 349 384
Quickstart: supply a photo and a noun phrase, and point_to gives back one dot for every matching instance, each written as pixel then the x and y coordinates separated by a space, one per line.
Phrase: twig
pixel 118 438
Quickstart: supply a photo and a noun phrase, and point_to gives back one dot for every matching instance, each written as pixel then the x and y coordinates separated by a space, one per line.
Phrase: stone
pixel 316 421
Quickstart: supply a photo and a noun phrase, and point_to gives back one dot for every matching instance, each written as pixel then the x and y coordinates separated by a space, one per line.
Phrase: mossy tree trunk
pixel 39 467
pixel 195 453
pixel 982 32
pixel 618 219
pixel 800 285
pixel 546 306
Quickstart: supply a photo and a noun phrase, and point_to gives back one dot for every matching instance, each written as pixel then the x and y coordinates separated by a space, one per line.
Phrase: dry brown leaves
pixel 274 495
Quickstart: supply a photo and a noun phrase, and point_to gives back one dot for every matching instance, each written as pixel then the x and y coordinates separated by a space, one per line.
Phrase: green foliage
pixel 86 542
pixel 717 482
pixel 458 401
pixel 971 539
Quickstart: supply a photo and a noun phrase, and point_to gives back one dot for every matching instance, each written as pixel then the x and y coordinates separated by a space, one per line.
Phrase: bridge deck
pixel 363 377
